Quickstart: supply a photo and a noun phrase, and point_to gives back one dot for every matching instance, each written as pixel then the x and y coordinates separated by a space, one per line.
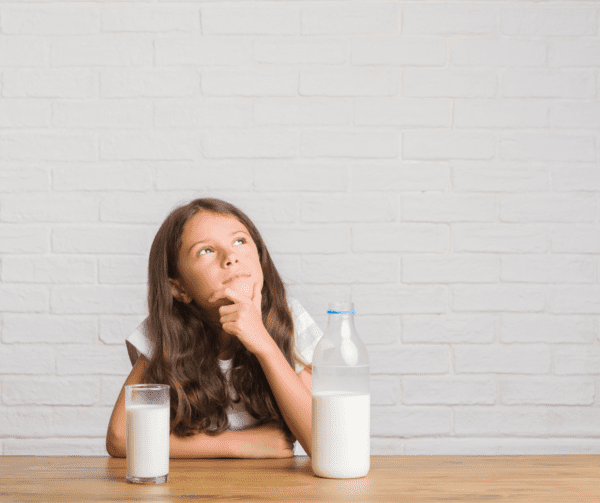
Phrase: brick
pixel 402 112
pixel 410 421
pixel 500 359
pixel 577 84
pixel 447 145
pixel 136 208
pixel 400 299
pixel 305 177
pixel 49 208
pixel 363 207
pixel 27 178
pixel 499 238
pixel 16 113
pixel 474 176
pixel 302 111
pixel 378 329
pixel 80 421
pixel 384 390
pixel 547 269
pixel 447 208
pixel 23 299
pixel 349 269
pixel 114 329
pixel 102 239
pixel 52 20
pixel 55 447
pixel 266 210
pixel 150 146
pixel 499 446
pixel 102 50
pixel 575 115
pixel 575 239
pixel 50 83
pixel 98 360
pixel 155 83
pixel 474 113
pixel 526 420
pixel 48 269
pixel 576 360
pixel 110 388
pixel 574 52
pixel 386 446
pixel 31 146
pixel 272 143
pixel 102 114
pixel 122 270
pixel 503 52
pixel 40 328
pixel 548 21
pixel 450 269
pixel 202 51
pixel 575 178
pixel 496 298
pixel 574 299
pixel 149 18
pixel 198 113
pixel 410 238
pixel 26 360
pixel 321 239
pixel 53 391
pixel 24 239
pixel 102 176
pixel 262 82
pixel 448 391
pixel 451 328
pixel 348 82
pixel 350 18
pixel 399 51
pixel 250 19
pixel 23 51
pixel 364 144
pixel 546 147
pixel 547 391
pixel 26 422
pixel 453 83
pixel 547 329
pixel 207 175
pixel 448 20
pixel 282 51
pixel 404 176
pixel 98 299
pixel 547 209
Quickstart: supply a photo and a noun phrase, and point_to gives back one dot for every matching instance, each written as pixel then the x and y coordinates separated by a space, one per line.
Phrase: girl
pixel 222 335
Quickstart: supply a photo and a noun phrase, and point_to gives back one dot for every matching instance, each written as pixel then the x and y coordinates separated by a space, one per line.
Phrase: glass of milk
pixel 148 429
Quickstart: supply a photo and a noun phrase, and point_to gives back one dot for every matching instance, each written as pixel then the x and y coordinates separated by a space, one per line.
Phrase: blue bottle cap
pixel 341 312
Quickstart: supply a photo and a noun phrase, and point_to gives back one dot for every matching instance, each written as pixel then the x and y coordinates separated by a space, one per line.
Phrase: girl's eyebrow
pixel 207 240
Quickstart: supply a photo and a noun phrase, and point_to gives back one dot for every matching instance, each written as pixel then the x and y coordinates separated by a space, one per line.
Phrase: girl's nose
pixel 231 259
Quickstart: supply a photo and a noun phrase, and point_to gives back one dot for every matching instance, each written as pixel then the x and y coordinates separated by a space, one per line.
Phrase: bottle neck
pixel 342 324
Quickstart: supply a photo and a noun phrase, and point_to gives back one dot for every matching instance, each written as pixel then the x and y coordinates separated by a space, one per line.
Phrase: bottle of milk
pixel 341 401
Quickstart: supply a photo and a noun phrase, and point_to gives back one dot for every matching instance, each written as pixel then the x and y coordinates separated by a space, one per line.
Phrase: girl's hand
pixel 243 319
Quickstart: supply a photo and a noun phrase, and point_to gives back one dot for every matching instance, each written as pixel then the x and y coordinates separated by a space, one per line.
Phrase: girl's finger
pixel 257 296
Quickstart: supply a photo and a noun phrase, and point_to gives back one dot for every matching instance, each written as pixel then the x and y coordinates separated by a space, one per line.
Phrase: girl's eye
pixel 203 250
pixel 243 240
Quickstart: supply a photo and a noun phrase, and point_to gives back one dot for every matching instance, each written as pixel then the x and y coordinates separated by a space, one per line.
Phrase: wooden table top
pixel 561 478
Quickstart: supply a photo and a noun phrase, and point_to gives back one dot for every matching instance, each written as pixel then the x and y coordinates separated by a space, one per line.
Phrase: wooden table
pixel 545 479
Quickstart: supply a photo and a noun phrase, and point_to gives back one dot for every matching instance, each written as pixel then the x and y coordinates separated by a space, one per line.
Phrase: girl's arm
pixel 260 442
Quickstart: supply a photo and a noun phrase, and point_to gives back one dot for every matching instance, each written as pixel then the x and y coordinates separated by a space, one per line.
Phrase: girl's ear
pixel 178 292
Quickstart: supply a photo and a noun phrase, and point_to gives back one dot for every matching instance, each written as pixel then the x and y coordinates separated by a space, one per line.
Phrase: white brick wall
pixel 437 163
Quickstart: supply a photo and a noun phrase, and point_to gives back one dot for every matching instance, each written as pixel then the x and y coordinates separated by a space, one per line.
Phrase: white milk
pixel 341 429
pixel 148 440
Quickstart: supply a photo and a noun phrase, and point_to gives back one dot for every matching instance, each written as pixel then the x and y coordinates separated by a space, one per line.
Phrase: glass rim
pixel 149 387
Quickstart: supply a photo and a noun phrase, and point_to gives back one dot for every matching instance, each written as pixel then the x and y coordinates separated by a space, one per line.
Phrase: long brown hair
pixel 186 342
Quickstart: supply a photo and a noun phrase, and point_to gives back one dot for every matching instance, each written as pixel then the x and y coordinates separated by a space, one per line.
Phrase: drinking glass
pixel 148 420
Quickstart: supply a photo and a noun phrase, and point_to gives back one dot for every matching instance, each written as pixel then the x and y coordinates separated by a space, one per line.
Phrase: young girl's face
pixel 217 252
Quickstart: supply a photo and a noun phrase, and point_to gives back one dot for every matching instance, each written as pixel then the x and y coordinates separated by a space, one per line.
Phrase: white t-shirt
pixel 306 336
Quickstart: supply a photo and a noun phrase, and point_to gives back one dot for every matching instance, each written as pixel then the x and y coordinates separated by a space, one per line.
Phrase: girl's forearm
pixel 293 398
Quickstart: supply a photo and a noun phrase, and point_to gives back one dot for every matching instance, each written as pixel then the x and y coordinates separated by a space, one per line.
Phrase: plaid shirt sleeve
pixel 306 333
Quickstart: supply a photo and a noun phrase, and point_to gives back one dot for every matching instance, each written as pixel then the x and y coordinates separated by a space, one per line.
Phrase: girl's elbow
pixel 115 446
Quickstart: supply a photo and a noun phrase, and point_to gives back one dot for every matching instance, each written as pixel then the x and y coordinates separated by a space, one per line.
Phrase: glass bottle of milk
pixel 341 401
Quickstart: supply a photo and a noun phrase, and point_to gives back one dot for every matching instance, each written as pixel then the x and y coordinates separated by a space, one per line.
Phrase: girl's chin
pixel 243 286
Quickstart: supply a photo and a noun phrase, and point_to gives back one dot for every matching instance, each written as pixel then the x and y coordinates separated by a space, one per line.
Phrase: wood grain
pixel 545 479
